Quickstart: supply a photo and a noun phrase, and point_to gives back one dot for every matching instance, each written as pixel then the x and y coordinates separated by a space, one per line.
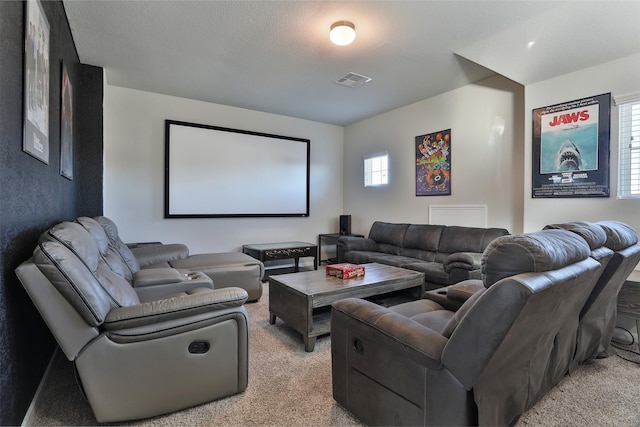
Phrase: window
pixel 628 145
pixel 376 169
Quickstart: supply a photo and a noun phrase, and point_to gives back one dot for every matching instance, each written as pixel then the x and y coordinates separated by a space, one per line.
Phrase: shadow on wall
pixel 27 345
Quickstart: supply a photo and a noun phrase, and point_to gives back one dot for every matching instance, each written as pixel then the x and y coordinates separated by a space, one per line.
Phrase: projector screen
pixel 213 172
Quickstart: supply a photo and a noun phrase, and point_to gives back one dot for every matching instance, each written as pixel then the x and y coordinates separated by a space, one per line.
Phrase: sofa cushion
pixel 423 236
pixel 619 234
pixel 386 248
pixel 77 239
pixel 359 257
pixel 433 271
pixel 111 230
pixel 387 233
pixel 108 252
pixel 419 254
pixel 413 308
pixel 436 320
pixel 388 259
pixel 454 320
pixel 215 260
pixel 532 252
pixel 593 234
pixel 468 239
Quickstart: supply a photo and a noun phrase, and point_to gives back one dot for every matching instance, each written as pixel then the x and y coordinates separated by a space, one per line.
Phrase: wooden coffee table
pixel 303 300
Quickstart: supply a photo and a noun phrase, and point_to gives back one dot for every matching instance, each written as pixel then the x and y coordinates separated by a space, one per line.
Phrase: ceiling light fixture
pixel 342 33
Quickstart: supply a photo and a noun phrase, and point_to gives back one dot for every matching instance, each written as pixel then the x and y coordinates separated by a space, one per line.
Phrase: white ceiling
pixel 275 56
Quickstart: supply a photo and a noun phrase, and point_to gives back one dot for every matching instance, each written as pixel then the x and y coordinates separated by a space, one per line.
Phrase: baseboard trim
pixel 28 417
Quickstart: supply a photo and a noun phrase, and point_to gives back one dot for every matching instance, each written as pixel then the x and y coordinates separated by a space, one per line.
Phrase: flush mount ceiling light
pixel 342 33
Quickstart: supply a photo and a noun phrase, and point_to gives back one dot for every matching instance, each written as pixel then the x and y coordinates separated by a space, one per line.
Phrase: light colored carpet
pixel 288 386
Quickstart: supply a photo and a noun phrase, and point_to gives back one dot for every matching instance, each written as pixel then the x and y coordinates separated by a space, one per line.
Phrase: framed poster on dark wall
pixel 36 82
pixel 66 126
pixel 571 148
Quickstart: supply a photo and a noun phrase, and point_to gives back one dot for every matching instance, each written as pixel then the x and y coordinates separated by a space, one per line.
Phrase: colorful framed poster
pixel 36 83
pixel 66 126
pixel 571 148
pixel 433 164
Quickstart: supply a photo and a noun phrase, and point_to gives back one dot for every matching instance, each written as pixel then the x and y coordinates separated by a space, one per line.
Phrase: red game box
pixel 345 270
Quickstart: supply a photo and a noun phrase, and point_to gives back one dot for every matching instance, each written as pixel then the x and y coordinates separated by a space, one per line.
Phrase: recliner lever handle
pixel 358 345
pixel 199 347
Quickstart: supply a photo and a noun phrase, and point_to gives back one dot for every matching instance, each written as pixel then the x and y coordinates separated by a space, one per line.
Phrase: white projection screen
pixel 214 172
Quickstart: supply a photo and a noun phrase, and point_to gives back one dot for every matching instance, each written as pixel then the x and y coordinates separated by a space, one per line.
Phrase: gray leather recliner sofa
pixel 182 345
pixel 445 254
pixel 486 362
pixel 226 269
pixel 615 245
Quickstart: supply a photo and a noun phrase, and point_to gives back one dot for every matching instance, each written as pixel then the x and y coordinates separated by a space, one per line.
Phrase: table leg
pixel 309 343
pixel 272 319
pixel 296 261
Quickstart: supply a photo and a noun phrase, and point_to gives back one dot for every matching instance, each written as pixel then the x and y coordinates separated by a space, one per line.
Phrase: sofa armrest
pixel 463 260
pixel 182 306
pixel 354 243
pixel 157 283
pixel 157 276
pixel 406 336
pixel 150 254
pixel 137 244
pixel 453 296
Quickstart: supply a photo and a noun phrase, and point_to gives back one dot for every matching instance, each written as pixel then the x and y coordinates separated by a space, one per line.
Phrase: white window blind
pixel 628 145
pixel 376 169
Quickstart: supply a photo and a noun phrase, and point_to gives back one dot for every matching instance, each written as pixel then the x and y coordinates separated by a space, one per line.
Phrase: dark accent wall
pixel 34 196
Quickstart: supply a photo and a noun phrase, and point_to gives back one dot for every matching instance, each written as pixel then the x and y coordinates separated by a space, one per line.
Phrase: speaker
pixel 345 224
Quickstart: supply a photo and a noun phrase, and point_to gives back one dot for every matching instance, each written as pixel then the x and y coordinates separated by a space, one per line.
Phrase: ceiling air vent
pixel 353 80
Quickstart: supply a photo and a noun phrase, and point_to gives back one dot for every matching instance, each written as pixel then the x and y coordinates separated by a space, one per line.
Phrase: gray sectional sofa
pixel 143 343
pixel 482 352
pixel 446 254
pixel 226 269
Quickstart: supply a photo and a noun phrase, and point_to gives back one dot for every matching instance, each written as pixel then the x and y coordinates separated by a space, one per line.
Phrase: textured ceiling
pixel 275 56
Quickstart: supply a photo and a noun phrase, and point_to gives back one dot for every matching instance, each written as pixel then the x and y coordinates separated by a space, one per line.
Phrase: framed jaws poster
pixel 571 149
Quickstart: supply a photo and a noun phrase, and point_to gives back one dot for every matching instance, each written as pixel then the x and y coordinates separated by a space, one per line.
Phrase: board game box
pixel 345 270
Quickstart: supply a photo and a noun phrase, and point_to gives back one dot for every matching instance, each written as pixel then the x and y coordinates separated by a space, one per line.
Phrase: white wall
pixel 134 148
pixel 486 156
pixel 487 164
pixel 617 77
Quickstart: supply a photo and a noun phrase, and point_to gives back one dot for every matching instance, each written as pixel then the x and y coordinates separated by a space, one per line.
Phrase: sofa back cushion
pixel 590 232
pixel 70 259
pixel 423 236
pixel 619 234
pixel 109 254
pixel 111 230
pixel 468 239
pixel 388 236
pixel 531 252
